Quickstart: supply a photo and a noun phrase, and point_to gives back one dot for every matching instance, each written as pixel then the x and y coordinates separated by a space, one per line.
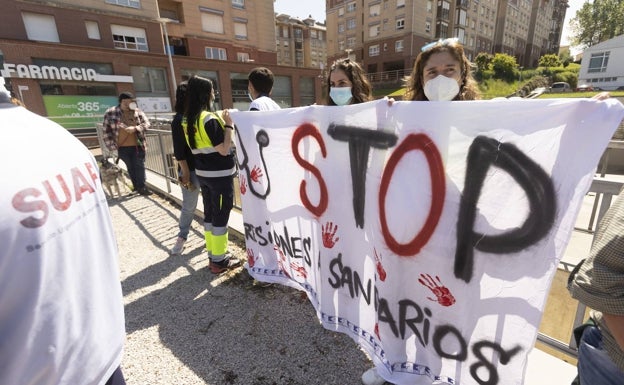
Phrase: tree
pixel 598 21
pixel 550 60
pixel 504 66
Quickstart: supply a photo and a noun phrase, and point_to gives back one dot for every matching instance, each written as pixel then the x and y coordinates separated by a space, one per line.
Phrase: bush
pixel 504 67
pixel 566 76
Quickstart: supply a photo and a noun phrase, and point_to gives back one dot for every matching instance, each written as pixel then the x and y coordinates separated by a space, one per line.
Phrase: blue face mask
pixel 340 95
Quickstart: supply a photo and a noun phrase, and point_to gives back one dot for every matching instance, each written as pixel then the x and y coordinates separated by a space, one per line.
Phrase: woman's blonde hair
pixel 414 83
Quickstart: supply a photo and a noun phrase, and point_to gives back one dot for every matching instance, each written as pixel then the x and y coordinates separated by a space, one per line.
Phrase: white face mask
pixel 132 106
pixel 340 95
pixel 441 88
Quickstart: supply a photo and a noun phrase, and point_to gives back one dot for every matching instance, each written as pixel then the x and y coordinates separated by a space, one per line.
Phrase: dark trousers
pixel 218 198
pixel 134 158
pixel 117 378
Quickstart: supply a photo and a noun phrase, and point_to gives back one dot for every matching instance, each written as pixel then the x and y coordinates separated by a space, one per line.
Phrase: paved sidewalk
pixel 186 326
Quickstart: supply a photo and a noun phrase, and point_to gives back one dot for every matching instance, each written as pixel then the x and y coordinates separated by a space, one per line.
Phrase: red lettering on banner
pixel 414 142
pixel 301 132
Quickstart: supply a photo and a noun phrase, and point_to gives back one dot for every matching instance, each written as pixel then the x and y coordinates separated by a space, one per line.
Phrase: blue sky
pixel 316 8
pixel 302 8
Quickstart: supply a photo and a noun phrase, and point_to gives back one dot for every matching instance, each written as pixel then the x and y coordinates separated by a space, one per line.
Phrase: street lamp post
pixel 163 21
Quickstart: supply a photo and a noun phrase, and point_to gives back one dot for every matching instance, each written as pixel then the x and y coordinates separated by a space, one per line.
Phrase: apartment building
pixel 71 58
pixel 386 35
pixel 300 43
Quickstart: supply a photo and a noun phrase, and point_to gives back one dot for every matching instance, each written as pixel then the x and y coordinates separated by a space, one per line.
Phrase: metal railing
pixel 604 191
pixel 396 76
pixel 159 158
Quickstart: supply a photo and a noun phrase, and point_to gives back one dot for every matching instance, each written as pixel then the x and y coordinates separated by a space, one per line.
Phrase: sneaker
pixel 226 264
pixel 371 377
pixel 144 191
pixel 178 247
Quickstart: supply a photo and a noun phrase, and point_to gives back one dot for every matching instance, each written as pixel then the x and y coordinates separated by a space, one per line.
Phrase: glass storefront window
pixel 150 81
pixel 282 91
pixel 240 98
pixel 212 75
pixel 306 90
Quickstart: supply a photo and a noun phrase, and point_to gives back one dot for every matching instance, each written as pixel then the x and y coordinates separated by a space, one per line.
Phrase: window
pixel 430 6
pixel 340 11
pixel 129 38
pixel 306 91
pixel 398 46
pixel 350 42
pixel 351 7
pixel 238 3
pixel 126 3
pixel 373 50
pixel 598 62
pixel 427 26
pixel 240 31
pixel 93 30
pixel 242 56
pixel 285 31
pixel 341 45
pixel 40 27
pixel 212 21
pixel 341 28
pixel 282 91
pixel 374 10
pixel 216 53
pixel 149 80
pixel 351 24
pixel 400 3
pixel 313 34
pixel 461 17
pixel 374 30
pixel 400 23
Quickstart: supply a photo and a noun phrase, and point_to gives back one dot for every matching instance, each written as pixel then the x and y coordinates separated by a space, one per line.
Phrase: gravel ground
pixel 185 325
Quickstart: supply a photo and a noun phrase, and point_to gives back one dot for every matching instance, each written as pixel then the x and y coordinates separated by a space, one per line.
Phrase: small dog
pixel 112 176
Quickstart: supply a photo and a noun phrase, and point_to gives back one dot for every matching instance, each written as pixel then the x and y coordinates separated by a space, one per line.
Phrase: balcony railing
pixel 388 76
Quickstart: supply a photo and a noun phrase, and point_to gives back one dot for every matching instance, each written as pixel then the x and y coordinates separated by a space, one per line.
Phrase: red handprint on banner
pixel 282 262
pixel 243 186
pixel 329 232
pixel 443 294
pixel 256 173
pixel 251 258
pixel 381 272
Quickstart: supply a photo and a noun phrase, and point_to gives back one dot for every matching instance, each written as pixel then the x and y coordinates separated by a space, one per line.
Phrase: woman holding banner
pixel 210 139
pixel 442 72
pixel 347 84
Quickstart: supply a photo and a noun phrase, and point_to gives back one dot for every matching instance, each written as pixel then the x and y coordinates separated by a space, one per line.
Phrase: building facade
pixel 71 58
pixel 386 35
pixel 300 43
pixel 602 65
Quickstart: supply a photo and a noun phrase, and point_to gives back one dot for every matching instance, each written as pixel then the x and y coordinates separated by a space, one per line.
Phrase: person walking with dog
pixel 61 305
pixel 125 126
pixel 210 138
pixel 186 171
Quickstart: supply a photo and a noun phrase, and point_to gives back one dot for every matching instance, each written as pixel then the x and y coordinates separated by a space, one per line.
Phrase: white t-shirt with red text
pixel 61 309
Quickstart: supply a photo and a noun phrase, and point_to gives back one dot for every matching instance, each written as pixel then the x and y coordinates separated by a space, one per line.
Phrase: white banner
pixel 427 231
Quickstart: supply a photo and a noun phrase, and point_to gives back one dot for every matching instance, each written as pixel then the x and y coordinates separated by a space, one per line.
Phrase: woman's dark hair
pixel 415 85
pixel 198 98
pixel 360 89
pixel 180 97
